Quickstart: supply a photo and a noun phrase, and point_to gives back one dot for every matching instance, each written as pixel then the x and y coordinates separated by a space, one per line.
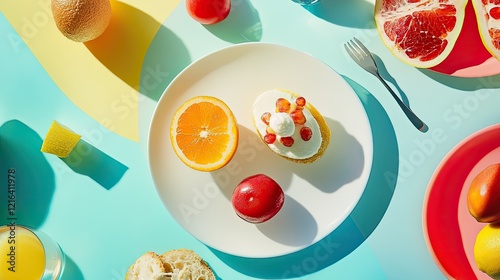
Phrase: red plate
pixel 449 229
pixel 469 57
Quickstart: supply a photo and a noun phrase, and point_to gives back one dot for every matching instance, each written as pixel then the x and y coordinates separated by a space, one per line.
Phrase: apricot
pixel 483 197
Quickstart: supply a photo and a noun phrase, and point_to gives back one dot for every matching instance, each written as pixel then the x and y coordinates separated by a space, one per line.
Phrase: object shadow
pixel 33 177
pixel 464 84
pixel 357 227
pixel 241 25
pixel 385 166
pixel 166 57
pixel 86 159
pixel 71 270
pixel 298 234
pixel 353 13
pixel 123 46
pixel 341 163
pixel 252 157
pixel 387 76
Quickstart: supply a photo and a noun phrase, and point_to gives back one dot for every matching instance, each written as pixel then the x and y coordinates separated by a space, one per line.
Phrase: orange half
pixel 204 133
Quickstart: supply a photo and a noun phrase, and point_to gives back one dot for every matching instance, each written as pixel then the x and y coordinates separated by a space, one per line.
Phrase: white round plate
pixel 319 196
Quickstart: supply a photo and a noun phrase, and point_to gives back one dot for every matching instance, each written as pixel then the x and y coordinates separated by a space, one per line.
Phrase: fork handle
pixel 416 121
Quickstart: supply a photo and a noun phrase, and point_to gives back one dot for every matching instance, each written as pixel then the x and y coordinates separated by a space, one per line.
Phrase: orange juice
pixel 21 254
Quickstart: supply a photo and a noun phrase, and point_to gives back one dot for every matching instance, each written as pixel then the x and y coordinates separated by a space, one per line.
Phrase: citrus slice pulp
pixel 421 33
pixel 204 133
pixel 488 21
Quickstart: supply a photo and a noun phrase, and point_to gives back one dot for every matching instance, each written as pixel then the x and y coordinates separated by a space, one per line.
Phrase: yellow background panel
pixel 101 76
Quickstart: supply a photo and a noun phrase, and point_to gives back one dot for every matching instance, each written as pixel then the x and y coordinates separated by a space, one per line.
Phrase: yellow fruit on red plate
pixel 487 250
pixel 204 133
pixel 421 33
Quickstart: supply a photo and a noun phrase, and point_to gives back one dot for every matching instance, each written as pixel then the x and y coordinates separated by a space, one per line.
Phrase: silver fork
pixel 363 57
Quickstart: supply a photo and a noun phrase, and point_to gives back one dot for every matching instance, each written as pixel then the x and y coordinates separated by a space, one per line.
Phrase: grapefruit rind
pixel 487 23
pixel 382 16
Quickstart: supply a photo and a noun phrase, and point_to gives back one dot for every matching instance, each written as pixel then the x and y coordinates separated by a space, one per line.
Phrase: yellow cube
pixel 60 140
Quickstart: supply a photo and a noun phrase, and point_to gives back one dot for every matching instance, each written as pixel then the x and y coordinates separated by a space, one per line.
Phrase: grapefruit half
pixel 488 21
pixel 421 33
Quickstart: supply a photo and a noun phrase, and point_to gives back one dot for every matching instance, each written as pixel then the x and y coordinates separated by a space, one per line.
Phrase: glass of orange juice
pixel 29 254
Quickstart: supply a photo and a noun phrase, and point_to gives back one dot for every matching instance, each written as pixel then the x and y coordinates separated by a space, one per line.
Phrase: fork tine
pixel 358 49
pixel 354 46
pixel 349 51
pixel 352 52
pixel 362 47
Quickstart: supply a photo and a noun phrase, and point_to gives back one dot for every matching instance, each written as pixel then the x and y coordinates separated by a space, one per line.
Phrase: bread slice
pixel 184 264
pixel 323 127
pixel 148 267
pixel 180 264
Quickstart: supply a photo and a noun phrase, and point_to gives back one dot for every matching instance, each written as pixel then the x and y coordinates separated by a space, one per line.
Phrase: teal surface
pixel 101 205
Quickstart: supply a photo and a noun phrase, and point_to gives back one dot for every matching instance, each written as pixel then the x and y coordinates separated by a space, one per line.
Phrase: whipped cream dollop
pixel 282 126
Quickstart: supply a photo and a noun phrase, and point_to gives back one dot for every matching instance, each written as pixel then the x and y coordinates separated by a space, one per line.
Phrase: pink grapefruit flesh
pixel 488 22
pixel 421 33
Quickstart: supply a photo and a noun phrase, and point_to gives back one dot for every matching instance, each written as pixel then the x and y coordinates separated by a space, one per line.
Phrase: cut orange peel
pixel 59 140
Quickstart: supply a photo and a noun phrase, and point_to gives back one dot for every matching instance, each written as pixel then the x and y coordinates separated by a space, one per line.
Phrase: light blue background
pixel 106 214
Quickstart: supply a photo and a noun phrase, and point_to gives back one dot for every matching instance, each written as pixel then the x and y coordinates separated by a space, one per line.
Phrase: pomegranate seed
pixel 306 133
pixel 265 117
pixel 270 138
pixel 495 12
pixel 298 117
pixel 301 101
pixel 286 141
pixel 282 105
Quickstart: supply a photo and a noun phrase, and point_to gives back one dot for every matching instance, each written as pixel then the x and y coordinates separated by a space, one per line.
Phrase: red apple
pixel 208 11
pixel 257 198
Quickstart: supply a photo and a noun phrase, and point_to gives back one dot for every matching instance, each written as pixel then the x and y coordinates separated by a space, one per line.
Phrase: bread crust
pixel 172 265
pixel 323 126
pixel 181 261
pixel 147 266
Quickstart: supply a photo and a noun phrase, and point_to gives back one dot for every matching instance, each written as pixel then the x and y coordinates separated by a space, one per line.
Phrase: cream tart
pixel 290 126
